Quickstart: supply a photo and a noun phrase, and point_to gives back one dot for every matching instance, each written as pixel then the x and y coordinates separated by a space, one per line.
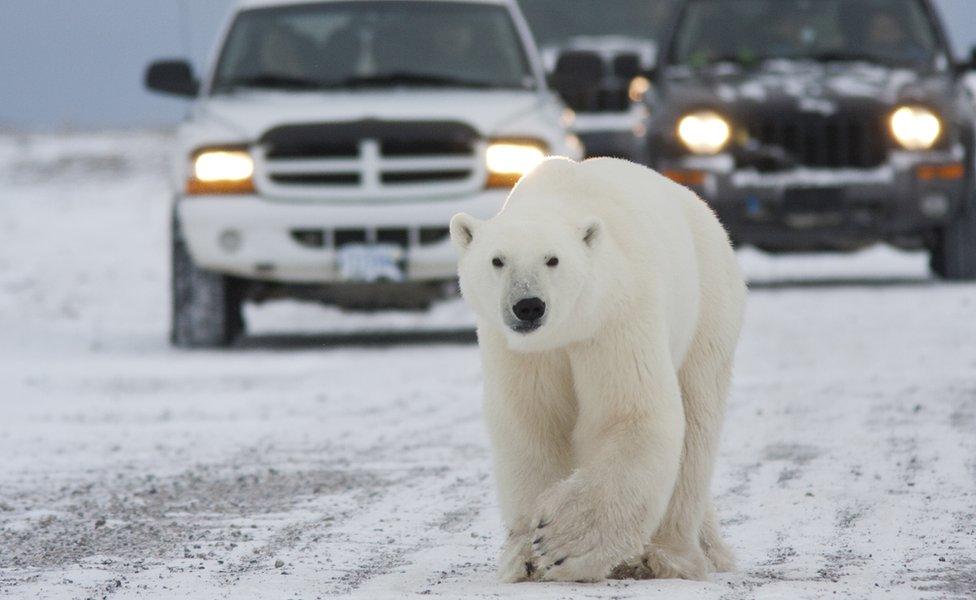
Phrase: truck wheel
pixel 954 256
pixel 206 305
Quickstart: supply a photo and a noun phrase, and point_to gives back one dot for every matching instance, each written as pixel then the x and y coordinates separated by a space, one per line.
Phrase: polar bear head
pixel 536 277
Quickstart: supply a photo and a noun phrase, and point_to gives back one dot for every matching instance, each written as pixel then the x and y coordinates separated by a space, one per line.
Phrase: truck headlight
pixel 509 160
pixel 221 171
pixel 704 132
pixel 915 127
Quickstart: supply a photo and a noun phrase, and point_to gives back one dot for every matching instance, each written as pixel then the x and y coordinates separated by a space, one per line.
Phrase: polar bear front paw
pixel 569 543
pixel 516 563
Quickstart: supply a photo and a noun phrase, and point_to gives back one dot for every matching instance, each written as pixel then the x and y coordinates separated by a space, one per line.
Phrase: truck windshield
pixel 896 32
pixel 350 45
pixel 556 22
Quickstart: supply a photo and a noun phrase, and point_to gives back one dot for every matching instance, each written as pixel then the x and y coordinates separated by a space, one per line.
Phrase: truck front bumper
pixel 820 209
pixel 296 242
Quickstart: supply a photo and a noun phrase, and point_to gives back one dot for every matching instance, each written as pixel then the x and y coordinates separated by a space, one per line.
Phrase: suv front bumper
pixel 296 242
pixel 813 209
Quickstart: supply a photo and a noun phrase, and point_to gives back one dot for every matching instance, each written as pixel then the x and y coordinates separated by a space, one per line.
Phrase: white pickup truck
pixel 331 142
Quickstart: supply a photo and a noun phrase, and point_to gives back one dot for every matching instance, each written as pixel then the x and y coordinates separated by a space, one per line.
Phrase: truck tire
pixel 954 256
pixel 206 305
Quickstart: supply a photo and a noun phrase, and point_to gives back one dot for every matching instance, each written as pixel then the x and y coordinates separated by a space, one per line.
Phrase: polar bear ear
pixel 592 232
pixel 463 229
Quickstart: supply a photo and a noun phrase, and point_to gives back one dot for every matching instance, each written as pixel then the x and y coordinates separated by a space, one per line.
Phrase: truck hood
pixel 808 86
pixel 246 116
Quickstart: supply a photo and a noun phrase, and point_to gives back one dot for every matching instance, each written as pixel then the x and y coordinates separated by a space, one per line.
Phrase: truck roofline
pixel 248 4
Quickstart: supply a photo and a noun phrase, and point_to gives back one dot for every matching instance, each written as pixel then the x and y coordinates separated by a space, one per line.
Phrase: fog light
pixel 934 206
pixel 230 240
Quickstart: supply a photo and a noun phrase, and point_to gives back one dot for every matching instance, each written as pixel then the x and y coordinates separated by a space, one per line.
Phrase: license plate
pixel 369 263
pixel 813 207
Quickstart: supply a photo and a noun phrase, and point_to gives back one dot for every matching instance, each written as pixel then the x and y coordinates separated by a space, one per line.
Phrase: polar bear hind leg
pixel 688 544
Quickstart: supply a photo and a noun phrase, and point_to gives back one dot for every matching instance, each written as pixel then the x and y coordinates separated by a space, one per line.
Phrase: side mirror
pixel 577 75
pixel 971 66
pixel 627 66
pixel 172 77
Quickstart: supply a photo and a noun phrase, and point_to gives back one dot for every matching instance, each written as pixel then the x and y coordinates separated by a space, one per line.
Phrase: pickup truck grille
pixel 824 141
pixel 397 236
pixel 371 160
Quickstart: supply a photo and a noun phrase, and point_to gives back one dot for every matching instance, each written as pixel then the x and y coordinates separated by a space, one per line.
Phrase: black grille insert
pixel 301 147
pixel 344 237
pixel 434 235
pixel 397 237
pixel 310 238
pixel 350 179
pixel 341 140
pixel 407 177
pixel 825 141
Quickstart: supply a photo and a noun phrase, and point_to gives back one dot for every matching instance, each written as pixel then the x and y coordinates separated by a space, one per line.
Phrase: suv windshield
pixel 555 22
pixel 883 31
pixel 346 45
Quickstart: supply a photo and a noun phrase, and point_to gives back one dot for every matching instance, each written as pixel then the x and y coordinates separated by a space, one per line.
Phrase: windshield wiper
pixel 271 81
pixel 418 79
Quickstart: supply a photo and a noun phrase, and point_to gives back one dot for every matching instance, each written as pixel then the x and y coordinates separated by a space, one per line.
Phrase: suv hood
pixel 813 87
pixel 247 115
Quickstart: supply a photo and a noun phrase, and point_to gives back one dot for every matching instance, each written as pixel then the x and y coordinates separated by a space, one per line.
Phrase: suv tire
pixel 954 256
pixel 206 305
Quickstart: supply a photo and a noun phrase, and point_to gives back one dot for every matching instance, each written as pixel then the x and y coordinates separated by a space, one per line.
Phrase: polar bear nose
pixel 529 309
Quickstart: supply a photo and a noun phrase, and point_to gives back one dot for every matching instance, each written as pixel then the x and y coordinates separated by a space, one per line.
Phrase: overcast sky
pixel 79 63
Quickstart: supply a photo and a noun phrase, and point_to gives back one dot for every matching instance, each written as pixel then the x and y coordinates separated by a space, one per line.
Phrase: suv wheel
pixel 206 305
pixel 954 255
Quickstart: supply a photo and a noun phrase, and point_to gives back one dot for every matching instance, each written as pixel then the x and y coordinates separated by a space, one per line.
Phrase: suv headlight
pixel 508 160
pixel 221 171
pixel 915 127
pixel 704 132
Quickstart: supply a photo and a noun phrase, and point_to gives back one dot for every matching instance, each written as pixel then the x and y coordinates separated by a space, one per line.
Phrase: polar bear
pixel 609 303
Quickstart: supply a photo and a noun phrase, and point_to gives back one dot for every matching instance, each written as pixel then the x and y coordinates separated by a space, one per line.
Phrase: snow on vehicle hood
pixel 814 87
pixel 248 115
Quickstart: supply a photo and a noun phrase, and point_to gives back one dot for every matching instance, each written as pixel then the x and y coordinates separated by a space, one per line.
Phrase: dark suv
pixel 821 125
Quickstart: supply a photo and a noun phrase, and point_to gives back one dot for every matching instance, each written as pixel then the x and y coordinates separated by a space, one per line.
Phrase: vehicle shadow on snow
pixel 845 282
pixel 367 339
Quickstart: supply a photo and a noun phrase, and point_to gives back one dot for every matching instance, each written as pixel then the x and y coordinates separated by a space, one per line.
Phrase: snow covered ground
pixel 310 466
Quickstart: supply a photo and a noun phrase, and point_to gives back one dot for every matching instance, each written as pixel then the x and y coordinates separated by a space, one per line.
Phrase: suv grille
pixel 831 141
pixel 371 160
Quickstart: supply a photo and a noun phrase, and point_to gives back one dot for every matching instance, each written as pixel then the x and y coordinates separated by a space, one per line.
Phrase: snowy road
pixel 309 467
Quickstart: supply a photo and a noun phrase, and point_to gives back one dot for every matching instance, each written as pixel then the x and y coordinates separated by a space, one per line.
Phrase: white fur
pixel 605 421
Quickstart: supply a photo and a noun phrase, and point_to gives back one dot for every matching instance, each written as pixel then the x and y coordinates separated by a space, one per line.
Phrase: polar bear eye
pixel 497 263
pixel 552 262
